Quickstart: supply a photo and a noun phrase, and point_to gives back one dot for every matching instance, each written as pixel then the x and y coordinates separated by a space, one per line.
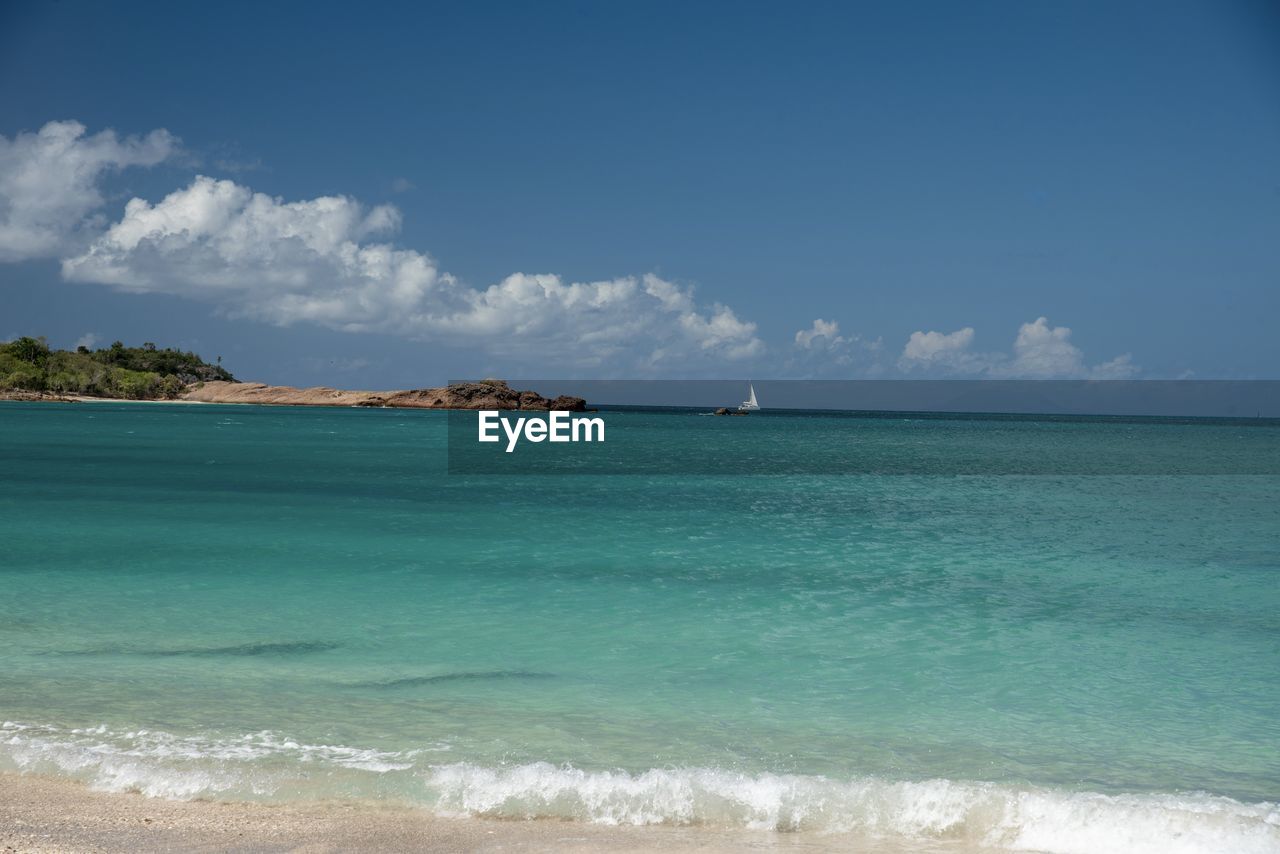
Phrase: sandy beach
pixel 42 815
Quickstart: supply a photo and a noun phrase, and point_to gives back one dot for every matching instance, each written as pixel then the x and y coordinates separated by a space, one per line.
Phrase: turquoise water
pixel 281 603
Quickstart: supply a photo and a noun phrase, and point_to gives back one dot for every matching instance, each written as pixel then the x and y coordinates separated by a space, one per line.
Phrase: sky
pixel 385 195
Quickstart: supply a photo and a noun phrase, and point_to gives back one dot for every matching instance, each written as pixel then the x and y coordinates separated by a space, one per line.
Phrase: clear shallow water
pixel 278 603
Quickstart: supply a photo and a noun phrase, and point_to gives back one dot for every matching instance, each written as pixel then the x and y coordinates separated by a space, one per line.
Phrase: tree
pixel 136 385
pixel 33 351
pixel 27 377
pixel 114 371
pixel 63 382
pixel 171 387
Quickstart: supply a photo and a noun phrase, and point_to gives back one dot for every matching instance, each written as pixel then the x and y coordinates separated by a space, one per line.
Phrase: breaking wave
pixel 973 815
pixel 984 814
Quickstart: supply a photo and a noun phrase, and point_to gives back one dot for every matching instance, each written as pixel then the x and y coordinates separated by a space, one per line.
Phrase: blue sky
pixel 801 190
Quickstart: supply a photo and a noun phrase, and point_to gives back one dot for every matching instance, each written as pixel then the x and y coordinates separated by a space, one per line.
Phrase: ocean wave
pixel 983 814
pixel 160 764
pixel 971 815
pixel 463 676
pixel 245 649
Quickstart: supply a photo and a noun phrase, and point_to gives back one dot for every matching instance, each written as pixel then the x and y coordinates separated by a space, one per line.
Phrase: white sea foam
pixel 969 814
pixel 160 764
pixel 983 814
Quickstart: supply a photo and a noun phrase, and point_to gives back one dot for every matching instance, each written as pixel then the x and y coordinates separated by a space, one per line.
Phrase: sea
pixel 281 604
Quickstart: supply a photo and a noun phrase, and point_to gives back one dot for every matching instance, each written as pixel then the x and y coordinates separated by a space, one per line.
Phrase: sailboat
pixel 750 404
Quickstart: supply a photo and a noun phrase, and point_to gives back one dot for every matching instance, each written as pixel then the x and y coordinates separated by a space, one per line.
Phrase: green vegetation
pixel 138 373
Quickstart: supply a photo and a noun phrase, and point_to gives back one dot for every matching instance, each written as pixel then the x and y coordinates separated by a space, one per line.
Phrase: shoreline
pixel 8 396
pixel 485 394
pixel 48 815
pixel 79 398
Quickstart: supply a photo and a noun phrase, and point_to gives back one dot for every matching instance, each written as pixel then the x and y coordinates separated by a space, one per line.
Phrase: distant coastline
pixel 485 394
pixel 33 372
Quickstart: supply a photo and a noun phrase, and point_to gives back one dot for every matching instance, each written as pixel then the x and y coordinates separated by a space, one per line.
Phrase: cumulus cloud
pixel 327 261
pixel 1040 351
pixel 1119 368
pixel 323 261
pixel 330 261
pixel 823 333
pixel 945 353
pixel 822 349
pixel 49 183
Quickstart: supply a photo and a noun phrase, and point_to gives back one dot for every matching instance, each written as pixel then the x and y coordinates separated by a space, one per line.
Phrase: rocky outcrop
pixel 31 396
pixel 723 411
pixel 487 394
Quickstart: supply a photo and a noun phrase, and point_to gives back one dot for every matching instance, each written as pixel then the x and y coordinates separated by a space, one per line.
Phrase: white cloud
pixel 87 340
pixel 821 350
pixel 329 261
pixel 943 353
pixel 401 185
pixel 49 183
pixel 317 261
pixel 1119 368
pixel 1040 351
pixel 823 333
pixel 1043 351
pixel 927 346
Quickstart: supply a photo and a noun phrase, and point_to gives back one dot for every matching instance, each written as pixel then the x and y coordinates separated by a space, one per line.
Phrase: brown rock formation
pixel 488 394
pixel 31 396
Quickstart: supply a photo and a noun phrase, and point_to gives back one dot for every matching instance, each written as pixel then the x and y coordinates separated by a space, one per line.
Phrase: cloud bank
pixel 1040 351
pixel 327 261
pixel 331 261
pixel 322 261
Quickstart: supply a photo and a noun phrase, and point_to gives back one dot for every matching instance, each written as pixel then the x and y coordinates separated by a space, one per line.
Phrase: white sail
pixel 750 403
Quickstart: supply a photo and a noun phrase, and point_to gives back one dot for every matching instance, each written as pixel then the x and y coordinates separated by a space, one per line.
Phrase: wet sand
pixel 40 814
